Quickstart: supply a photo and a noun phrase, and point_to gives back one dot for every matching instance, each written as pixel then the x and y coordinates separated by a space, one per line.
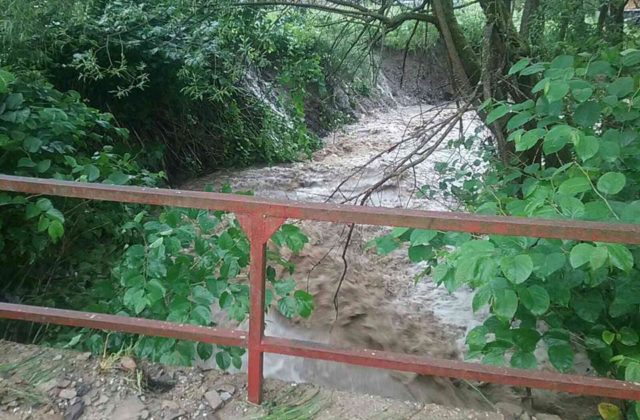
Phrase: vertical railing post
pixel 259 229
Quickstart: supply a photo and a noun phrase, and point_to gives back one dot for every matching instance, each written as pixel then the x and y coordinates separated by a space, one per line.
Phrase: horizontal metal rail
pixel 435 220
pixel 260 218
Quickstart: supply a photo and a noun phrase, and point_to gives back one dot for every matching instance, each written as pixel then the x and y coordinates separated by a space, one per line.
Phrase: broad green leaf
pixel 532 69
pixel 575 185
pixel 201 315
pixel 476 338
pixel 571 207
pixel 525 338
pixel 202 296
pixel 498 112
pixel 422 237
pixel 517 269
pixel 628 336
pixel 609 411
pixel 557 138
pixel 632 372
pixel 481 297
pixel 155 290
pixel 587 114
pixel 505 304
pixel 305 303
pixel 288 306
pixel 32 144
pixel 386 244
pixel 420 253
pixel 598 258
pixel 608 337
pixel 562 62
pixel 535 299
pixel 55 230
pixel 620 256
pixel 611 183
pixel 519 66
pixel 524 360
pixel 580 254
pixel 205 351
pixel 586 147
pixel 519 120
pixel 582 94
pixel 5 79
pixel 283 288
pixel 621 87
pixel 588 305
pixel 561 357
pixel 529 139
pixel 556 90
pixel 223 360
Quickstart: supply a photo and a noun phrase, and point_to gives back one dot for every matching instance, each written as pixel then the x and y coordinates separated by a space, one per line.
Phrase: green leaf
pixel 628 336
pixel 6 78
pixel 524 360
pixel 519 120
pixel 587 114
pixel 288 306
pixel 562 62
pixel 205 351
pixel 118 178
pixel 305 303
pixel 529 139
pixel 55 230
pixel 476 338
pixel 533 69
pixel 598 258
pixel 155 290
pixel 611 183
pixel 582 94
pixel 557 90
pixel 561 357
pixel 386 244
pixel 223 360
pixel 580 254
pixel 420 253
pixel 498 112
pixel 588 305
pixel 621 87
pixel 283 288
pixel 31 211
pixel 587 147
pixel 422 237
pixel 519 66
pixel 557 138
pixel 575 185
pixel 135 299
pixel 505 303
pixel 632 372
pixel 608 337
pixel 517 269
pixel 535 299
pixel 202 296
pixel 525 338
pixel 201 315
pixel 620 256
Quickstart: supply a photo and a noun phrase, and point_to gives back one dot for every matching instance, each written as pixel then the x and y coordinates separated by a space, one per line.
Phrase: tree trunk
pixel 532 23
pixel 615 22
pixel 466 70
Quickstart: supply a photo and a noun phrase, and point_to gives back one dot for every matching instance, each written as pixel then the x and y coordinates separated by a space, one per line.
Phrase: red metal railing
pixel 260 218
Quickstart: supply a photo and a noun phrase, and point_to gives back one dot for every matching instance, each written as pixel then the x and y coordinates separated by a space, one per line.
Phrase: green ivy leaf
pixel 283 288
pixel 519 120
pixel 55 230
pixel 529 139
pixel 201 315
pixel 519 66
pixel 476 338
pixel 288 306
pixel 611 183
pixel 632 372
pixel 557 90
pixel 587 147
pixel 620 256
pixel 575 185
pixel 621 87
pixel 598 258
pixel 420 253
pixel 205 351
pixel 305 303
pixel 517 269
pixel 422 237
pixel 628 336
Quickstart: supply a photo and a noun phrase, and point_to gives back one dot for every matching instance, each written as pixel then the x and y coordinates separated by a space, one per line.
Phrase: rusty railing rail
pixel 260 218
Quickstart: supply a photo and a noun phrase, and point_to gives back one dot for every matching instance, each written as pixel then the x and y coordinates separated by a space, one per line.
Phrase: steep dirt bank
pixel 380 306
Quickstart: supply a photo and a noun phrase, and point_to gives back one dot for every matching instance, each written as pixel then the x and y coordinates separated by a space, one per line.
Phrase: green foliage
pixel 186 78
pixel 583 124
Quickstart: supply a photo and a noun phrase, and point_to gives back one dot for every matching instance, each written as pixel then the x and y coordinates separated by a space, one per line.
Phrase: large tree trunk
pixel 532 23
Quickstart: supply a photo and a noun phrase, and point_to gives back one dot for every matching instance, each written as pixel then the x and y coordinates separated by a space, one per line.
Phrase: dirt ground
pixel 45 383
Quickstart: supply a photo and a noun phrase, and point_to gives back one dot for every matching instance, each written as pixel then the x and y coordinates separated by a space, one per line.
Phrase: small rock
pixel 57 357
pixel 129 409
pixel 144 415
pixel 214 400
pixel 82 389
pixel 68 393
pixel 127 363
pixel 63 383
pixel 170 405
pixel 226 388
pixel 83 356
pixel 103 399
pixel 543 416
pixel 47 386
pixel 225 396
pixel 74 411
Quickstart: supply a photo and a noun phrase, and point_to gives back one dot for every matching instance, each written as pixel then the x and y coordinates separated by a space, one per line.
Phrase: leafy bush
pixel 578 142
pixel 113 258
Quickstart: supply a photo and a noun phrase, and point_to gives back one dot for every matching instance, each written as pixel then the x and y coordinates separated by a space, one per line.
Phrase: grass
pixel 292 406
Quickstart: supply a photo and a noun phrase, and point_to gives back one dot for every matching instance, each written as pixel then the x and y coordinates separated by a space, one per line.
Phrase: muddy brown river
pixel 380 304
